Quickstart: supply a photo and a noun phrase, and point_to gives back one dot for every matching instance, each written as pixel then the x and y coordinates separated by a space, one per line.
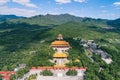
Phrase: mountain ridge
pixel 48 19
pixel 7 17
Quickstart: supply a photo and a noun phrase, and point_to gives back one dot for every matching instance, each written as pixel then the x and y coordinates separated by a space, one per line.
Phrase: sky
pixel 105 9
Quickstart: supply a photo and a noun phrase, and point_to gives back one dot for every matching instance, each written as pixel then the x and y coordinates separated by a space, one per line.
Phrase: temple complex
pixel 61 47
pixel 60 58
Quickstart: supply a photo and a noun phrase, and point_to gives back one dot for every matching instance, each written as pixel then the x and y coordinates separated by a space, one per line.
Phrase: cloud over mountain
pixel 17 11
pixel 25 3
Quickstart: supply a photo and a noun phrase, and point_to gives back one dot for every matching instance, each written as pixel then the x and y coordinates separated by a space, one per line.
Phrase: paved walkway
pixel 55 76
pixel 59 78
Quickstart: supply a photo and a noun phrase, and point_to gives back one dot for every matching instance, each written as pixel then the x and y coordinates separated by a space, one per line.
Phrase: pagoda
pixel 61 47
pixel 60 44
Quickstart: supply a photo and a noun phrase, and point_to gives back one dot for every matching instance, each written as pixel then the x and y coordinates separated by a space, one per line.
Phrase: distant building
pixel 93 47
pixel 22 65
pixel 6 74
pixel 19 67
pixel 107 60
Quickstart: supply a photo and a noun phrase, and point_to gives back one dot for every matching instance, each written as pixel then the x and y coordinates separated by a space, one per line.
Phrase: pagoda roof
pixel 60 43
pixel 60 55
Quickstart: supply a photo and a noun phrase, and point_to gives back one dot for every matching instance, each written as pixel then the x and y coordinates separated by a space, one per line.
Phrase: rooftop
pixel 60 55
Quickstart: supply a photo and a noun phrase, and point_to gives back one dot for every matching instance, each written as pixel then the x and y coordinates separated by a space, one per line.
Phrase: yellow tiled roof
pixel 77 60
pixel 59 42
pixel 59 55
pixel 59 66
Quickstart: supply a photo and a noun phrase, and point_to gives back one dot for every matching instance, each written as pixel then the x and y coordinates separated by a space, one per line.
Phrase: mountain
pixel 7 17
pixel 114 23
pixel 49 19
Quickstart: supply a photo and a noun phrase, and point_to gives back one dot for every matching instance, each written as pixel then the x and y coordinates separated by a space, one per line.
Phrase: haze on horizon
pixel 83 8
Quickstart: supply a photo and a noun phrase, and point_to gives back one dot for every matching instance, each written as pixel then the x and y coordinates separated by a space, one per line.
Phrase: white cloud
pixel 3 2
pixel 104 11
pixel 25 3
pixel 81 1
pixel 107 16
pixel 102 6
pixel 116 3
pixel 63 1
pixel 17 11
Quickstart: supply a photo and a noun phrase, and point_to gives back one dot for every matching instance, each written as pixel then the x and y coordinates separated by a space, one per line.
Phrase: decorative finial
pixel 60 37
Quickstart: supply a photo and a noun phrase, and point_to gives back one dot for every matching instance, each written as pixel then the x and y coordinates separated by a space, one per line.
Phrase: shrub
pixel 13 77
pixel 71 73
pixel 0 77
pixel 32 77
pixel 46 73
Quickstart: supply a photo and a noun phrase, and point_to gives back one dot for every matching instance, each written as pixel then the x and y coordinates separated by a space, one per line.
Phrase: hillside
pixel 48 20
pixel 8 17
pixel 114 23
pixel 27 41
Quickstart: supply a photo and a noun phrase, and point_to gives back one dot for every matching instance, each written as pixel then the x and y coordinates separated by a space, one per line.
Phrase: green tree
pixel 71 73
pixel 13 77
pixel 78 64
pixel 46 73
pixel 32 77
pixel 91 76
pixel 70 64
pixel 5 68
pixel 0 77
pixel 21 72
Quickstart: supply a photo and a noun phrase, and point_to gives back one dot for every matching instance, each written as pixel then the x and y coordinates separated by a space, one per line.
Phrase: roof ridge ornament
pixel 60 37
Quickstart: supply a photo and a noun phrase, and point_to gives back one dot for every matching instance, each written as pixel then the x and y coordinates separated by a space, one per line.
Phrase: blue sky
pixel 106 9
